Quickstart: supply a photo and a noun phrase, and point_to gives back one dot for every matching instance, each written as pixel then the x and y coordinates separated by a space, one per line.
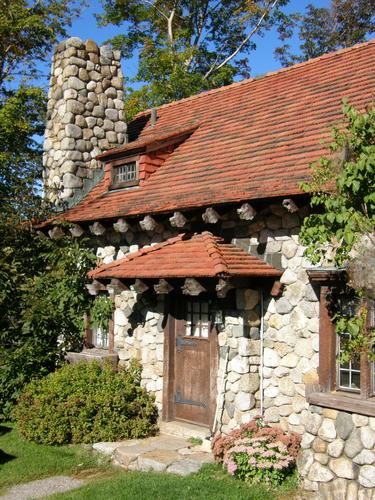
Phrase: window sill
pixel 343 401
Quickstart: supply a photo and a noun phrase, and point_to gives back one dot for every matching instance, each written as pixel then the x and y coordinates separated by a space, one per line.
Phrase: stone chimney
pixel 84 117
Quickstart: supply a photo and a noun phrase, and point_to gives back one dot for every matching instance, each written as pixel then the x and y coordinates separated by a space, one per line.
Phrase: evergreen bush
pixel 86 403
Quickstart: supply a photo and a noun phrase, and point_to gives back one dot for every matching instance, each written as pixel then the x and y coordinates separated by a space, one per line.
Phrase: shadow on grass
pixel 4 429
pixel 5 457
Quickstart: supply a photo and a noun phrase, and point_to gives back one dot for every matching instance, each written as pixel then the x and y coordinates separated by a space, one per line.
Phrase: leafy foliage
pixel 185 46
pixel 343 189
pixel 42 301
pixel 343 196
pixel 101 312
pixel 326 29
pixel 84 403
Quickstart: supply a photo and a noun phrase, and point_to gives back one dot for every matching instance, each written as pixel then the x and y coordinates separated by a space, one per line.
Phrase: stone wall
pixel 84 117
pixel 337 448
pixel 139 333
pixel 240 340
pixel 338 455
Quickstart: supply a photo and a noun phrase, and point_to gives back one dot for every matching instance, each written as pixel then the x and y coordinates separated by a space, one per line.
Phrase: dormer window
pixel 124 173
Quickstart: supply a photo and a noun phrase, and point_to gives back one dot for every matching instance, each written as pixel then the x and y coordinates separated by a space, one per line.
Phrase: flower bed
pixel 257 452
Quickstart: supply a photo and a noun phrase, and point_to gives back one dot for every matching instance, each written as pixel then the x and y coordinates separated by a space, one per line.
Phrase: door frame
pixel 169 364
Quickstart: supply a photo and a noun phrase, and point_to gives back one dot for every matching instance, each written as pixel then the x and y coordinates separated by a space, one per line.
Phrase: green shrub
pixel 84 403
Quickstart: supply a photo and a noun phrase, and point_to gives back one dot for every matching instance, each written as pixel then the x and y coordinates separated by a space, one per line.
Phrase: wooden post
pixel 111 335
pixel 87 335
pixel 327 345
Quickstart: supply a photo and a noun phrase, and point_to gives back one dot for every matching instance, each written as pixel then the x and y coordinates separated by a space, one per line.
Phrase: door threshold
pixel 184 429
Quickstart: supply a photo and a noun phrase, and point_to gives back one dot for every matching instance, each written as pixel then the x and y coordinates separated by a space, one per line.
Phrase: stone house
pixel 195 211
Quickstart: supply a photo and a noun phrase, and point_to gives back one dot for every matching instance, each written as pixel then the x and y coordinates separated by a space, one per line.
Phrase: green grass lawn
pixel 21 461
pixel 212 483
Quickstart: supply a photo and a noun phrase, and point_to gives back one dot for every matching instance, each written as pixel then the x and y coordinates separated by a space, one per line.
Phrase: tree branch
pixel 243 43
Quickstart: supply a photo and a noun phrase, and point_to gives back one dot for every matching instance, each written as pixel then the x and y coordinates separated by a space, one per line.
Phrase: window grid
pixel 349 373
pixel 100 338
pixel 126 173
pixel 197 324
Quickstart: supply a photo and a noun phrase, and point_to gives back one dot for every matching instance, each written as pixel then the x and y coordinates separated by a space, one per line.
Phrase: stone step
pixel 184 430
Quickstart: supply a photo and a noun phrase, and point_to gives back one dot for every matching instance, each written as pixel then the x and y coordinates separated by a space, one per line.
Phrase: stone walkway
pixel 42 488
pixel 162 453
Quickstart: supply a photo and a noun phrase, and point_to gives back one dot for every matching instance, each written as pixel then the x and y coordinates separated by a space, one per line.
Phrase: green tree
pixel 41 295
pixel 186 46
pixel 342 192
pixel 326 29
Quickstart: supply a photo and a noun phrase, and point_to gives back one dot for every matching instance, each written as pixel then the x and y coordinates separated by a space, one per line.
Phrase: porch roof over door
pixel 198 256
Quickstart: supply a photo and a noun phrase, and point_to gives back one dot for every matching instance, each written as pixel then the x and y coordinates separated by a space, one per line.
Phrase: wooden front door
pixel 193 362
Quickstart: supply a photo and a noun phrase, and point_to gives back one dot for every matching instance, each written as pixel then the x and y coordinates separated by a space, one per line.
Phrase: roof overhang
pixel 187 256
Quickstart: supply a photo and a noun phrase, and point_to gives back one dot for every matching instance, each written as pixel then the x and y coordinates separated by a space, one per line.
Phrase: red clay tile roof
pixel 184 256
pixel 255 138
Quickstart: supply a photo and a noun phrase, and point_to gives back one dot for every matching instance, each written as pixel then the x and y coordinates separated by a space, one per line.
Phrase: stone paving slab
pixel 42 488
pixel 163 453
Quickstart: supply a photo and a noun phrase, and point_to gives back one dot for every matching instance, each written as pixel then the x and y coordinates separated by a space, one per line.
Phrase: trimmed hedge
pixel 86 403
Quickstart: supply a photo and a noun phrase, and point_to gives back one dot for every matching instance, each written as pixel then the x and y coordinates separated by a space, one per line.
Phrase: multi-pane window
pixel 349 373
pixel 100 338
pixel 197 319
pixel 124 173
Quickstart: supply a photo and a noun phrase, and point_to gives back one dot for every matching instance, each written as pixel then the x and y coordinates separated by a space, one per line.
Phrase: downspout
pixel 261 352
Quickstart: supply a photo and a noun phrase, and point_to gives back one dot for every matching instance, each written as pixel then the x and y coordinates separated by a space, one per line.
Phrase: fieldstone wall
pixel 338 454
pixel 139 333
pixel 84 117
pixel 240 341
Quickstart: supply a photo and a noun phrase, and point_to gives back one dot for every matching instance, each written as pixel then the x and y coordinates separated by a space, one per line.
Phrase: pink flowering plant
pixel 258 453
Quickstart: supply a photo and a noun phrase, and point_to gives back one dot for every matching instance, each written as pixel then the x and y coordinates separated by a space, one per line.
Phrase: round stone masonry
pixel 84 79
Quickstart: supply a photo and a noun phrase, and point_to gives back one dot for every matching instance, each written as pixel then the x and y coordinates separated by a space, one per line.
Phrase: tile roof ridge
pixel 212 247
pixel 329 55
pixel 154 248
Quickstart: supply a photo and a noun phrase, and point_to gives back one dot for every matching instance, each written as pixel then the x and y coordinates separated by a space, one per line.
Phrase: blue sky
pixel 262 59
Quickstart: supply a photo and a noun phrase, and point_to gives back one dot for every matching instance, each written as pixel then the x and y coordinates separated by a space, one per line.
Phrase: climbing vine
pixel 341 226
pixel 101 312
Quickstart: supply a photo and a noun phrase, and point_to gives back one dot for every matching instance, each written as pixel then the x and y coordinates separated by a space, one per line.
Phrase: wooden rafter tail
pixel 246 212
pixel 116 286
pixel 95 287
pixel 97 229
pixel 76 231
pixel 192 287
pixel 178 220
pixel 223 287
pixel 56 232
pixel 148 223
pixel 290 205
pixel 163 287
pixel 210 216
pixel 140 286
pixel 121 226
